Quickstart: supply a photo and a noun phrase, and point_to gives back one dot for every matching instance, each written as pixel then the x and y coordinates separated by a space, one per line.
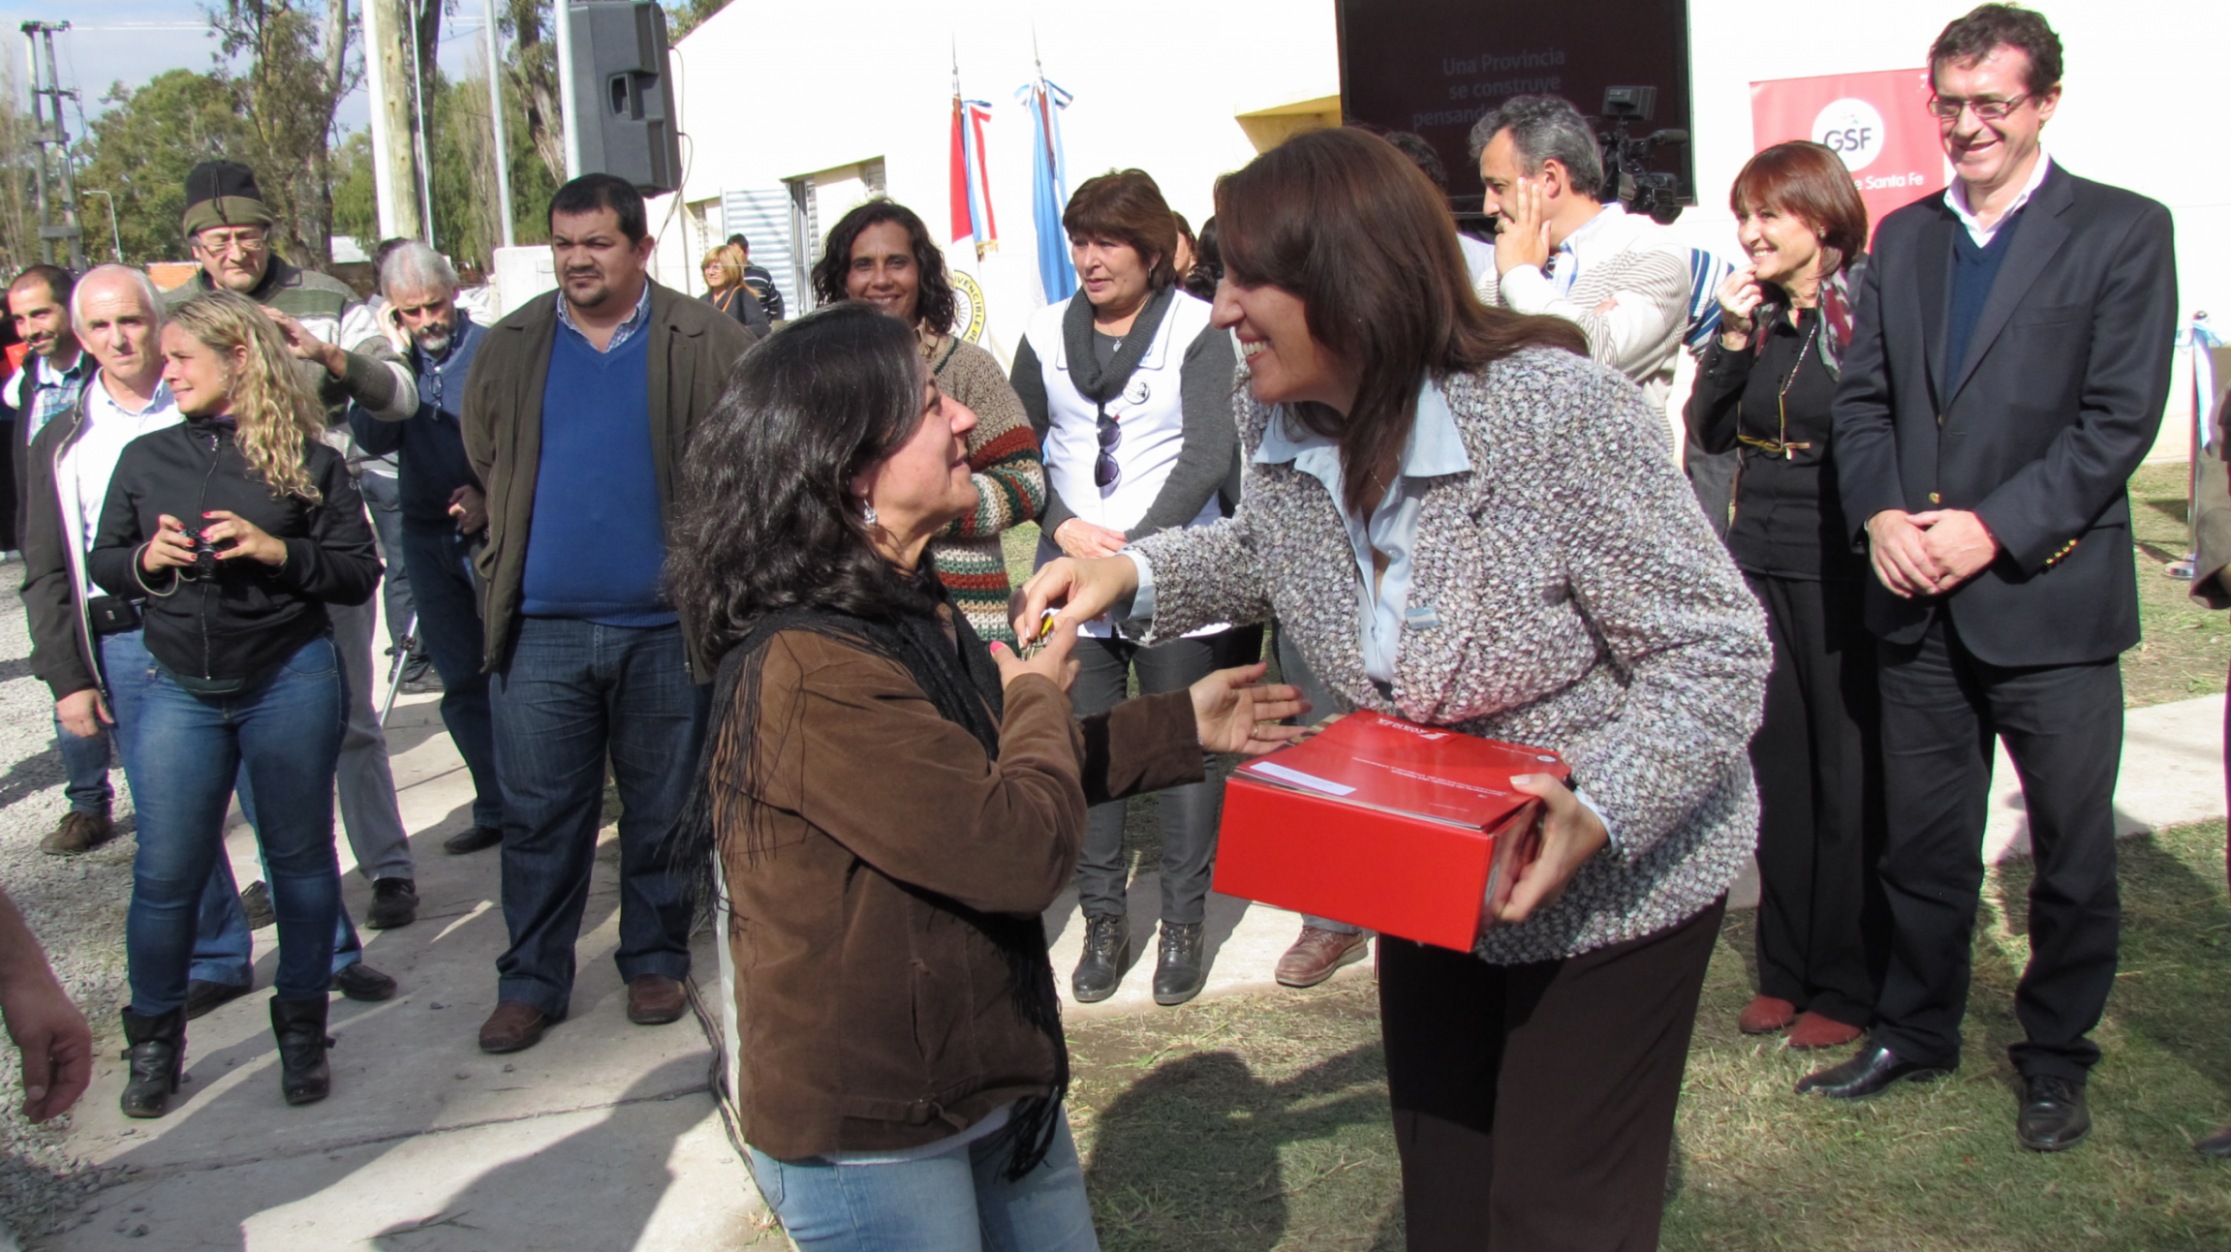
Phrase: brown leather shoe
pixel 1815 1031
pixel 1317 953
pixel 78 832
pixel 655 999
pixel 515 1026
pixel 1766 1015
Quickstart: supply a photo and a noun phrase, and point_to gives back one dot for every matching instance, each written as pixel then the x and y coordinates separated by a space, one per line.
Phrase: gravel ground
pixel 76 907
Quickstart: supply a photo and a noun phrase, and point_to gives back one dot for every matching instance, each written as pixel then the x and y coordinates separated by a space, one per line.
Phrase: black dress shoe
pixel 1178 975
pixel 2217 1145
pixel 1100 966
pixel 359 981
pixel 203 995
pixel 473 840
pixel 394 903
pixel 1869 1073
pixel 2054 1114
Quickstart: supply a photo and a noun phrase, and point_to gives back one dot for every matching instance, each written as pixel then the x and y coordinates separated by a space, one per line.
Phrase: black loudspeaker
pixel 623 101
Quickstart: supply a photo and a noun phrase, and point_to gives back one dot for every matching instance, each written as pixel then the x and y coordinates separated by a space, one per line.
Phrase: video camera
pixel 1641 190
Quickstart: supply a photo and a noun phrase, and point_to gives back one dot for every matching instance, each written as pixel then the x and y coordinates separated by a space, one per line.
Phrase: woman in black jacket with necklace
pixel 235 529
pixel 1766 386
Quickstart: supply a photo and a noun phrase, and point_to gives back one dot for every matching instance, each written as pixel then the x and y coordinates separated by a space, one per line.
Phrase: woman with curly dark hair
pixel 893 805
pixel 882 255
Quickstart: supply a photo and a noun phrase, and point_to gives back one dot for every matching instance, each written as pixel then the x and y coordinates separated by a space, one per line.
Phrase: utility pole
pixel 496 119
pixel 420 145
pixel 569 125
pixel 394 169
pixel 57 216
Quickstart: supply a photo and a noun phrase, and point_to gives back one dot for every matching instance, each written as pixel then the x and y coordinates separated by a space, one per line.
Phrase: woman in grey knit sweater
pixel 1466 523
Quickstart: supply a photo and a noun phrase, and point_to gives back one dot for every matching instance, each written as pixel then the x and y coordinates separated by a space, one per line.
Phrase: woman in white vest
pixel 1130 391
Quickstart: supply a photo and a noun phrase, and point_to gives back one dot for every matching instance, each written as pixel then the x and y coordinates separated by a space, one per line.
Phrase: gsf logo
pixel 1853 129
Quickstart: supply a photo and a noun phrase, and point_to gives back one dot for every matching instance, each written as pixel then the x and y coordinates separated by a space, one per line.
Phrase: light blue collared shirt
pixel 1434 450
pixel 635 321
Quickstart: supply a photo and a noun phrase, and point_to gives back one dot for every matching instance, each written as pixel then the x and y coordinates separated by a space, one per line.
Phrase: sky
pixel 131 41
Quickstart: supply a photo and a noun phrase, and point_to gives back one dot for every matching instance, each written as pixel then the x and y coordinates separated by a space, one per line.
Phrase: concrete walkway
pixel 605 1136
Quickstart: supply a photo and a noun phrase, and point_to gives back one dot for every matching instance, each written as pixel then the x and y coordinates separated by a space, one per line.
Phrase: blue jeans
pixel 284 731
pixel 572 692
pixel 85 763
pixel 959 1201
pixel 449 631
pixel 224 949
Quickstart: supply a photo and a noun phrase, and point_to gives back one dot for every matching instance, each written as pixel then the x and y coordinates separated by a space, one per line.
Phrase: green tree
pixel 19 217
pixel 356 210
pixel 140 149
pixel 684 16
pixel 533 80
pixel 298 70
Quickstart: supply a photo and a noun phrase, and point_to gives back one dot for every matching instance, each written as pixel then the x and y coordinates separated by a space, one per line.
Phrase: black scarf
pixel 963 683
pixel 1085 374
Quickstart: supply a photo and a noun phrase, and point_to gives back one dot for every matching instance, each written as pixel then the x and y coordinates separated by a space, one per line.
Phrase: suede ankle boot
pixel 156 1050
pixel 304 1077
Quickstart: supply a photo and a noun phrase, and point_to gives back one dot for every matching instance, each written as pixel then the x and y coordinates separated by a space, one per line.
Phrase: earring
pixel 867 512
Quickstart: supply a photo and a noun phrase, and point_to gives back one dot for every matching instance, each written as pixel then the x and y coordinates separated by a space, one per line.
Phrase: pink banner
pixel 1879 123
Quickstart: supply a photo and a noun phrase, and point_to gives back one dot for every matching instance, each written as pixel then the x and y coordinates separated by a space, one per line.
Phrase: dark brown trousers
pixel 1533 1104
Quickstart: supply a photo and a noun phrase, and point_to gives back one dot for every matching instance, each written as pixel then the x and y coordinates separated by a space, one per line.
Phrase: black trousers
pixel 1822 924
pixel 2063 726
pixel 1533 1104
pixel 1189 813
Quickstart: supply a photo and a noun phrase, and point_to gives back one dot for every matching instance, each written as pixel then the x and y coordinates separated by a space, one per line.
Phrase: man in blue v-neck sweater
pixel 577 412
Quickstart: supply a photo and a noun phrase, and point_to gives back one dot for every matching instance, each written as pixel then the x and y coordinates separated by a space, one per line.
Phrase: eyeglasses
pixel 1105 472
pixel 1947 109
pixel 219 245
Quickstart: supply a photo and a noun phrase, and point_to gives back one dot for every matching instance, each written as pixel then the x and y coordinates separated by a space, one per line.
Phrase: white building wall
pixel 2141 79
pixel 770 91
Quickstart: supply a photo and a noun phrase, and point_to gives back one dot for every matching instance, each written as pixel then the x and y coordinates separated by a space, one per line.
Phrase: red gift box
pixel 1409 830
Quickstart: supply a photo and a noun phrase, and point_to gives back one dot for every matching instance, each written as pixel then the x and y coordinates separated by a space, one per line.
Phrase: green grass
pixel 1261 1123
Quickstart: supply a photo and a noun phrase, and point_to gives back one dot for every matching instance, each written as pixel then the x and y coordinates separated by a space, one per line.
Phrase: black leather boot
pixel 1178 975
pixel 156 1052
pixel 300 1025
pixel 1100 967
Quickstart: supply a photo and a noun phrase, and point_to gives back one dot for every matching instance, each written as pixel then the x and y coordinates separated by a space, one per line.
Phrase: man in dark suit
pixel 2006 375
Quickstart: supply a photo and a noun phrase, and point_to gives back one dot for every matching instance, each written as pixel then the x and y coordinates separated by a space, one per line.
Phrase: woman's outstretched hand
pixel 1571 833
pixel 1233 714
pixel 1055 660
pixel 1081 590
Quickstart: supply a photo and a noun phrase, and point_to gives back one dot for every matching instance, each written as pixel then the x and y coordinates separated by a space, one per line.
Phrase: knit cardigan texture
pixel 1583 604
pixel 1010 482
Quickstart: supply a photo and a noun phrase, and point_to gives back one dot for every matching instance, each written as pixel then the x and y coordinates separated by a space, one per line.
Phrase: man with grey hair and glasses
pixel 444 513
pixel 1560 250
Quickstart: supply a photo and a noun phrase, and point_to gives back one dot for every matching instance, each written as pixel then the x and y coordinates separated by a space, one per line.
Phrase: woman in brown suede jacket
pixel 894 805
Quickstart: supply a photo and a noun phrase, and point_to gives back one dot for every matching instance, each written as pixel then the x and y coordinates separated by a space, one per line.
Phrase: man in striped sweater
pixel 1560 250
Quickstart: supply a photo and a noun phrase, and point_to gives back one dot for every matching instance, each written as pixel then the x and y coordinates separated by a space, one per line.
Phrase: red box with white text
pixel 1412 831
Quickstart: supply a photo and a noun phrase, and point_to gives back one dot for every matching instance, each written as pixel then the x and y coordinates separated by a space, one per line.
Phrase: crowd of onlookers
pixel 753 564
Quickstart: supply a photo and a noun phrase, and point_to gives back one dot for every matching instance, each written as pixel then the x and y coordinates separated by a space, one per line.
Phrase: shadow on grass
pixel 1190 1156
